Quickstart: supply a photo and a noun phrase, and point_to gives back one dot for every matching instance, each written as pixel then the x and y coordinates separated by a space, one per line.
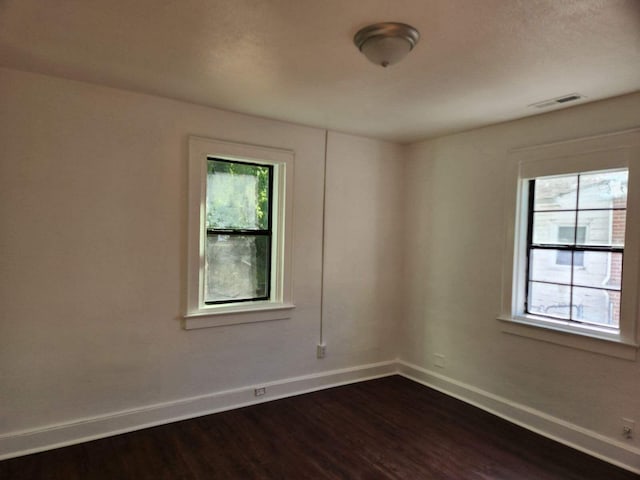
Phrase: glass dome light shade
pixel 385 51
pixel 386 43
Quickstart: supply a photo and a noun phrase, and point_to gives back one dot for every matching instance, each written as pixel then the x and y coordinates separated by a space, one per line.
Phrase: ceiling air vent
pixel 572 97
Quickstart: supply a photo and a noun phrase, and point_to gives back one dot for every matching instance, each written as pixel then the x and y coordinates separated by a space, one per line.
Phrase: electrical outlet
pixel 628 426
pixel 258 392
pixel 438 360
pixel 321 351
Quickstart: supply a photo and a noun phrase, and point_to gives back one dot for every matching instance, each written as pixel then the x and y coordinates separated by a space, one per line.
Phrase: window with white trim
pixel 571 260
pixel 239 258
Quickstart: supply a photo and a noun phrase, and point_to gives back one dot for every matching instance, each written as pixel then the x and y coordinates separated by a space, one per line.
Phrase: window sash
pixel 268 232
pixel 268 267
pixel 566 247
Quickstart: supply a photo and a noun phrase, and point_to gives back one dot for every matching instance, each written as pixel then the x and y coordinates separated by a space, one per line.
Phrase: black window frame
pixel 574 248
pixel 268 232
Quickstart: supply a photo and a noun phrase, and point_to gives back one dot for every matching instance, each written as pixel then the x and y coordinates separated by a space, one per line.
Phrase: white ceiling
pixel 478 61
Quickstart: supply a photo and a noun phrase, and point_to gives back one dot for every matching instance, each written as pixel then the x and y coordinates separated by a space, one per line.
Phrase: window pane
pixel 550 300
pixel 599 269
pixel 600 307
pixel 553 227
pixel 237 195
pixel 603 190
pixel 604 227
pixel 555 193
pixel 544 266
pixel 236 267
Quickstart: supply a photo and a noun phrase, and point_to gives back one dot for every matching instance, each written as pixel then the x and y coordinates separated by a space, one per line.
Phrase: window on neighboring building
pixel 568 257
pixel 562 209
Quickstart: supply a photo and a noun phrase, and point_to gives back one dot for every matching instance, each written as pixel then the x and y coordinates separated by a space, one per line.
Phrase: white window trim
pixel 610 151
pixel 280 305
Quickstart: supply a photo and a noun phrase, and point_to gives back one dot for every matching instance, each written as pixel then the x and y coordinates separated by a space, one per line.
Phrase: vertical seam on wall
pixel 324 210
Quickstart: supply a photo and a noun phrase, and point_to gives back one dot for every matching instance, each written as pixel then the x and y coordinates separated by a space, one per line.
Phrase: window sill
pixel 217 316
pixel 560 333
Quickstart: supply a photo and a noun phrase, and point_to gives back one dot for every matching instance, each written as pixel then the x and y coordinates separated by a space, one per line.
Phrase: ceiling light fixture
pixel 386 43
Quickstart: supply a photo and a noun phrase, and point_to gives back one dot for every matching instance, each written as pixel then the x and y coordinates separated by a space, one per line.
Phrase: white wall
pixel 455 188
pixel 364 237
pixel 93 186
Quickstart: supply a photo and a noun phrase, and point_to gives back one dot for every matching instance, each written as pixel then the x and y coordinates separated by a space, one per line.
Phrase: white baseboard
pixel 587 441
pixel 82 430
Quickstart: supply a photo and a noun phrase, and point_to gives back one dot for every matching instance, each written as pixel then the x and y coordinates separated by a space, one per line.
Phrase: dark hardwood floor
pixel 389 428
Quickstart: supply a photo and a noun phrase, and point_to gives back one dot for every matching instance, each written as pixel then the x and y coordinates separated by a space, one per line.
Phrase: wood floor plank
pixel 390 428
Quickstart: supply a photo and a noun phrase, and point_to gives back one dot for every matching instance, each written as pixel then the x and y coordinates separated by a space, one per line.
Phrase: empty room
pixel 278 239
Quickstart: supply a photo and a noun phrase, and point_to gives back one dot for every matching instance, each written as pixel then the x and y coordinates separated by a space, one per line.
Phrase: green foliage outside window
pixel 241 200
